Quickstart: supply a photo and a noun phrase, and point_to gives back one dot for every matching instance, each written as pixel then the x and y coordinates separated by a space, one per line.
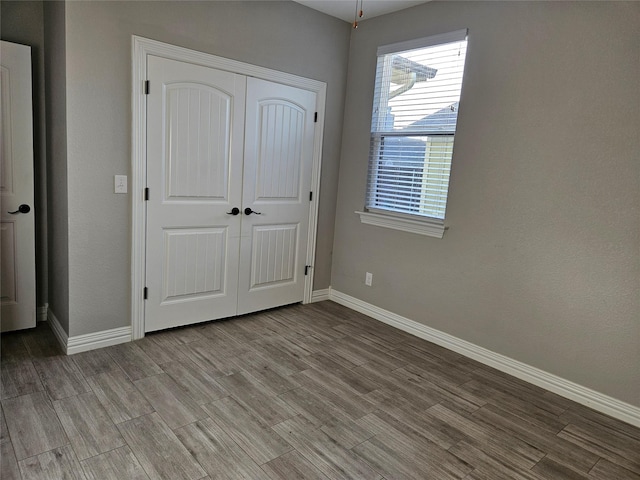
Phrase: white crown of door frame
pixel 141 49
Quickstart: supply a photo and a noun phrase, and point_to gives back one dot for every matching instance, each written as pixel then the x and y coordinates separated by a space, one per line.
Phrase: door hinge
pixel 306 269
pixel 310 196
pixel 146 193
pixel 146 87
pixel 145 293
pixel 315 118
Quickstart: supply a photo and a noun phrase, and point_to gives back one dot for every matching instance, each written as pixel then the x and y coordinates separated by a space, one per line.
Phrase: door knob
pixel 24 208
pixel 248 211
pixel 234 211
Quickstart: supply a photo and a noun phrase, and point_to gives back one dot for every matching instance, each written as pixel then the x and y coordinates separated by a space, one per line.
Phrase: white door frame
pixel 143 47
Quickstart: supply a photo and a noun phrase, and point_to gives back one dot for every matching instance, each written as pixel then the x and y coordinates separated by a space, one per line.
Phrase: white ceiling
pixel 345 9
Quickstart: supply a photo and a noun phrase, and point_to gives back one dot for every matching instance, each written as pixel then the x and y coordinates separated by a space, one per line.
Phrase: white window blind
pixel 415 111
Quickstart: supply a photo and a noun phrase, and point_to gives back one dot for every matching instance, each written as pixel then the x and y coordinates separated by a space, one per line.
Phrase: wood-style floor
pixel 315 391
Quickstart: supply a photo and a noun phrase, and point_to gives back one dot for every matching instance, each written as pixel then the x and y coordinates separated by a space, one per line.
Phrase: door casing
pixel 141 49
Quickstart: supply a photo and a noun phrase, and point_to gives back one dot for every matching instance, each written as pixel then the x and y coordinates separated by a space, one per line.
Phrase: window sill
pixel 421 227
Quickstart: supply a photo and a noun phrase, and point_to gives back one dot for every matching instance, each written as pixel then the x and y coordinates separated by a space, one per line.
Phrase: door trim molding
pixel 141 49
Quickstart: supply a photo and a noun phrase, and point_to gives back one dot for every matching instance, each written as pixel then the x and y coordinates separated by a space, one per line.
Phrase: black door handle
pixel 24 208
pixel 248 211
pixel 234 211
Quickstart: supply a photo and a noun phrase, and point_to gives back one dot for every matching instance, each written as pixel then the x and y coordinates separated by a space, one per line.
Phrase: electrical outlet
pixel 368 279
pixel 120 184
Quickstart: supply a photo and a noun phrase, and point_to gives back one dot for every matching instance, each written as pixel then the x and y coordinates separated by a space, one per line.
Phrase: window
pixel 415 111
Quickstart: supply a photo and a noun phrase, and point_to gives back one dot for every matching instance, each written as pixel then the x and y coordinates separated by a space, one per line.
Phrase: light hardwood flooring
pixel 315 391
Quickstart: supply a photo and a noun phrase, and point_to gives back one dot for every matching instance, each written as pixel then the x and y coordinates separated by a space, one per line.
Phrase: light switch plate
pixel 120 184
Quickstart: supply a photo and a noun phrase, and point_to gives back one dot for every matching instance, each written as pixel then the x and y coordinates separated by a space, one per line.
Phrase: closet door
pixel 195 124
pixel 278 157
pixel 229 162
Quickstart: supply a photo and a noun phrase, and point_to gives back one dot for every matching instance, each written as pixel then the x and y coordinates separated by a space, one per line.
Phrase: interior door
pixel 17 230
pixel 278 157
pixel 229 162
pixel 195 129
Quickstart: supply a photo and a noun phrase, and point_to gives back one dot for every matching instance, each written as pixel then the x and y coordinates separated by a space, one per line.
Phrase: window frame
pixel 414 223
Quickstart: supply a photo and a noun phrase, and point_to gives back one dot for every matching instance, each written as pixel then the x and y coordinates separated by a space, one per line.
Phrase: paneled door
pixel 195 123
pixel 229 170
pixel 278 155
pixel 17 230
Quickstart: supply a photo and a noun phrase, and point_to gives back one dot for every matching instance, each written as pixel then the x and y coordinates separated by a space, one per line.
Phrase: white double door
pixel 229 161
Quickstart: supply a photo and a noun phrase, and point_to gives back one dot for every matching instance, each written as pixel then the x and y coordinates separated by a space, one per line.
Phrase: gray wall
pixel 22 22
pixel 541 262
pixel 283 36
pixel 56 114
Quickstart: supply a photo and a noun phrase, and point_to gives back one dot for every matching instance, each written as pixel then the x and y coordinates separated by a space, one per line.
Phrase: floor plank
pixel 133 361
pixel 606 470
pixel 413 444
pixel 41 342
pixel 264 371
pixel 171 402
pixel 158 450
pixel 118 464
pixel 606 443
pixel 160 354
pixel 176 336
pixel 572 455
pixel 211 360
pixel 349 378
pixel 292 465
pixel 494 442
pixel 253 435
pixel 4 431
pixel 198 384
pixel 217 453
pixel 581 415
pixel 8 464
pixel 119 396
pixel 384 460
pixel 19 378
pixel 425 427
pixel 285 361
pixel 12 347
pixel 452 396
pixel 492 465
pixel 59 464
pixel 33 425
pixel 423 456
pixel 258 400
pixel 94 362
pixel 322 414
pixel 549 469
pixel 60 377
pixel 323 452
pixel 87 425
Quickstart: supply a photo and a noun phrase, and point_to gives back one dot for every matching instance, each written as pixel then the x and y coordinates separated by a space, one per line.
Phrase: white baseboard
pixel 320 295
pixel 89 341
pixel 41 313
pixel 58 331
pixel 565 388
